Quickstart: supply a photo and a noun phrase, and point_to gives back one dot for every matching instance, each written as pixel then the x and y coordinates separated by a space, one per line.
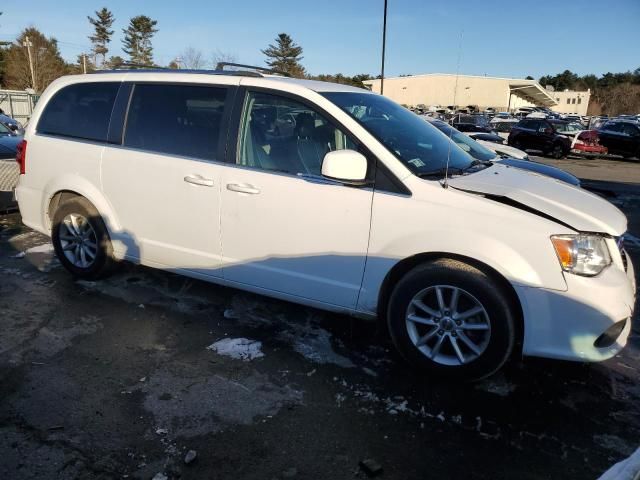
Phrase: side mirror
pixel 346 166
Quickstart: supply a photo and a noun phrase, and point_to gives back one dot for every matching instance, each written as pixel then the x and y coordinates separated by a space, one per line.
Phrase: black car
pixel 471 123
pixel 621 137
pixel 541 134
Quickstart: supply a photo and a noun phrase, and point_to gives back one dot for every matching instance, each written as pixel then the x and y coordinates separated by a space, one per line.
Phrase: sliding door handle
pixel 243 188
pixel 198 180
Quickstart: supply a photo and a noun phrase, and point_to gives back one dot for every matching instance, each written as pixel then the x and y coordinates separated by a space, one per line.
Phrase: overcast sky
pixel 499 38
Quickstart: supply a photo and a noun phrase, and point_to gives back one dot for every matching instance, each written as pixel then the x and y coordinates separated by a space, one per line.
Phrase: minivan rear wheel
pixel 80 239
pixel 452 320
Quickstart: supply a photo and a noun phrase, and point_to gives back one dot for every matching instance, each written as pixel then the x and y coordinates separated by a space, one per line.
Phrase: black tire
pixel 103 263
pixel 486 291
pixel 558 151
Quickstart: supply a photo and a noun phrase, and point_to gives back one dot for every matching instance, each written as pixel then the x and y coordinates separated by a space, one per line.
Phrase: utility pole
pixel 84 63
pixel 27 43
pixel 384 44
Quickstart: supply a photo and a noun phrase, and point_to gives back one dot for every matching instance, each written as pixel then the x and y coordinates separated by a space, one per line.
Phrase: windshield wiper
pixel 477 163
pixel 439 172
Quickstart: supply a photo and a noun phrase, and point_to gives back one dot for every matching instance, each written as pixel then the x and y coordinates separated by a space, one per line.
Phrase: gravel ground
pixel 121 378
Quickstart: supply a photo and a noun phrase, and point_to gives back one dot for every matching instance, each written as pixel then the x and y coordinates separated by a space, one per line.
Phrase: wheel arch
pixel 400 269
pixel 69 187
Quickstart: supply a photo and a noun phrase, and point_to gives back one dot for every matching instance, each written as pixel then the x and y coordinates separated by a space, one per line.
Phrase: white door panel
pixel 168 206
pixel 293 235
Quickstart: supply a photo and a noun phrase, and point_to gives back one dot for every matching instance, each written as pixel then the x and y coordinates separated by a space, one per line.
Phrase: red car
pixel 587 143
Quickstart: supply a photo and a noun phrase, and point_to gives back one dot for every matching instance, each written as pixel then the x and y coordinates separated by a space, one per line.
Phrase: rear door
pixel 631 139
pixel 163 177
pixel 285 228
pixel 611 137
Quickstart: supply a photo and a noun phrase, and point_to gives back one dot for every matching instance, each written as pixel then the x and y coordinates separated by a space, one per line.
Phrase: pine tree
pixel 114 62
pixel 47 62
pixel 285 56
pixel 137 39
pixel 102 36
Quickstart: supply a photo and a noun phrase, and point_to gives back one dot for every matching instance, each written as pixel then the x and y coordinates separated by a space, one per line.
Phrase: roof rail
pixel 132 65
pixel 220 67
pixel 219 71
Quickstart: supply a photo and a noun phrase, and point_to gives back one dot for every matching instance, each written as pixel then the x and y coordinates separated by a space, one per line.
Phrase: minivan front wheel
pixel 452 320
pixel 80 239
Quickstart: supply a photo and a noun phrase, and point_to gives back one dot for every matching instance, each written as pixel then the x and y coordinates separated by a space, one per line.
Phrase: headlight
pixel 582 254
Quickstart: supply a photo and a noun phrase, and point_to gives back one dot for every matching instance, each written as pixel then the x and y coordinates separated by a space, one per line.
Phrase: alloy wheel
pixel 448 325
pixel 78 240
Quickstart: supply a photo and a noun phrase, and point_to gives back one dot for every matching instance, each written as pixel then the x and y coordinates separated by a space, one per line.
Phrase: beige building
pixel 442 90
pixel 570 101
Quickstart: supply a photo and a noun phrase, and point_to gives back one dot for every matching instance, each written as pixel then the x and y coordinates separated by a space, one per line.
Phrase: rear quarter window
pixel 182 120
pixel 80 111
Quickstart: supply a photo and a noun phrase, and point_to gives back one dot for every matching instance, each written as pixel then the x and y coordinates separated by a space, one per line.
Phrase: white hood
pixel 505 149
pixel 573 206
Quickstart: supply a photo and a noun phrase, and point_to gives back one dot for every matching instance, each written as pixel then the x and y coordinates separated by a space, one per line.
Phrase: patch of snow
pixel 497 386
pixel 314 344
pixel 238 348
pixel 18 255
pixel 44 248
pixel 627 469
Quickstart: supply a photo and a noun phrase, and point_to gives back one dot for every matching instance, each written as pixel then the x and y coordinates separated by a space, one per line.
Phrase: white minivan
pixel 329 196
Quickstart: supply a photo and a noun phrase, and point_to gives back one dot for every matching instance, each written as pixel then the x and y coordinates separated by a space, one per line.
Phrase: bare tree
pixel 220 56
pixel 192 58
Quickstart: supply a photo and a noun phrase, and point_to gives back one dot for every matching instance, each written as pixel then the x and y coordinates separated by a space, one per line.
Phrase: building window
pixel 573 101
pixel 558 100
pixel 568 101
pixel 579 100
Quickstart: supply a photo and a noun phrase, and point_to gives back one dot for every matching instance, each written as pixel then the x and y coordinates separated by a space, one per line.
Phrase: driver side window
pixel 283 135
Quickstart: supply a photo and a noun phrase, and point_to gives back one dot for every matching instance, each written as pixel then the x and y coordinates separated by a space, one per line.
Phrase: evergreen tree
pixel 114 62
pixel 285 56
pixel 137 39
pixel 102 36
pixel 47 62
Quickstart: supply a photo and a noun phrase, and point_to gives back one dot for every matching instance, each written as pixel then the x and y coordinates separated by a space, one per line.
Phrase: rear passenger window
pixel 176 119
pixel 80 111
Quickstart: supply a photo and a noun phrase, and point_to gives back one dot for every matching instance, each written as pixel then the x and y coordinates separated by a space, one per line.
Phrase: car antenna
pixel 455 91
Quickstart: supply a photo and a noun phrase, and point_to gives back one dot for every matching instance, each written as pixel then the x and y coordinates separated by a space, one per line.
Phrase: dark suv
pixel 621 137
pixel 540 134
pixel 471 123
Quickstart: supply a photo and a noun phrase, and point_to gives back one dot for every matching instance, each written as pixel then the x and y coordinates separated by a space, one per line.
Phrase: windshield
pixel 473 119
pixel 414 141
pixel 567 127
pixel 504 127
pixel 466 143
pixel 4 130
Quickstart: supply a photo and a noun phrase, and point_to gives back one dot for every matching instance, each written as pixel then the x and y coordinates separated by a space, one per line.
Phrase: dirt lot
pixel 123 377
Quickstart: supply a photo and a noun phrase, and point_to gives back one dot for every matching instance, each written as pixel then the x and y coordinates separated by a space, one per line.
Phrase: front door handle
pixel 243 188
pixel 198 180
